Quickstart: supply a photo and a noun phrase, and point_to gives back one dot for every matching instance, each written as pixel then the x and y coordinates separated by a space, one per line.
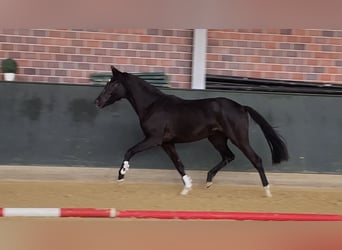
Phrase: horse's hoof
pixel 268 191
pixel 268 195
pixel 121 176
pixel 120 181
pixel 185 190
pixel 209 184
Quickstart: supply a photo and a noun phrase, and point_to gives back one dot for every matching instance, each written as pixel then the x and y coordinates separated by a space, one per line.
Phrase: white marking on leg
pixel 208 185
pixel 268 191
pixel 187 181
pixel 124 168
pixel 187 184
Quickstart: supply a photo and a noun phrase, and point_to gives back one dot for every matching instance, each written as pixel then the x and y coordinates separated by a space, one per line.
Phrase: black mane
pixel 145 86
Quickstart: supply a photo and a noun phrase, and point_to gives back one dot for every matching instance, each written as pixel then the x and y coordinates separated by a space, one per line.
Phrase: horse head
pixel 113 91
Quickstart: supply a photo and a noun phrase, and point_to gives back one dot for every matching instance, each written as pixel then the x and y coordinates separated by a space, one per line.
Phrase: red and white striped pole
pixel 155 214
pixel 58 212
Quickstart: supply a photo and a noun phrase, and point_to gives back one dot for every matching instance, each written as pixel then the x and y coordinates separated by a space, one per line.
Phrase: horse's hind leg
pixel 219 141
pixel 245 147
pixel 238 133
pixel 170 149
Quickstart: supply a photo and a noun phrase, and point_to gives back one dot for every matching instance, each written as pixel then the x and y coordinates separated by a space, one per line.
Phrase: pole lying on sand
pixel 155 214
pixel 58 212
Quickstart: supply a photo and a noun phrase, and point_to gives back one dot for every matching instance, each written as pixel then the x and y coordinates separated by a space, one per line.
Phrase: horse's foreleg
pixel 147 143
pixel 170 149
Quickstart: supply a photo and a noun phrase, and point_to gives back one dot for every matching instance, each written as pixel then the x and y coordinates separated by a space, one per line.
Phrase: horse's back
pixel 208 107
pixel 188 120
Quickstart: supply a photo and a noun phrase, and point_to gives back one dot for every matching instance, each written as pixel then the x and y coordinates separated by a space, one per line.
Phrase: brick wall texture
pixel 69 56
pixel 287 54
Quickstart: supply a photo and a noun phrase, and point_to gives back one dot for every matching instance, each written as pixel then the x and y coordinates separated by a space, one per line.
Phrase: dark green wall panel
pixel 58 125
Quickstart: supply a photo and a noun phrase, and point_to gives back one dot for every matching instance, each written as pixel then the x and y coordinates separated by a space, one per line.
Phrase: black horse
pixel 168 119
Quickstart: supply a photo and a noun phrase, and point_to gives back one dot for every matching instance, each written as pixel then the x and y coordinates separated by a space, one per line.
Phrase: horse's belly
pixel 189 134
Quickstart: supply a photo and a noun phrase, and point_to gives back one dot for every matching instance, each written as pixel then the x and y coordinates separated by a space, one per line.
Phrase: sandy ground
pixel 75 187
pixel 167 197
pixel 159 189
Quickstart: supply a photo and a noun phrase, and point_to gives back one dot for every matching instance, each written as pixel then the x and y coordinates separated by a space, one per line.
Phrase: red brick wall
pixel 69 56
pixel 292 54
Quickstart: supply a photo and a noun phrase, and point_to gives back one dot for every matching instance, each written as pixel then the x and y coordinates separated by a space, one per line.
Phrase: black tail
pixel 274 140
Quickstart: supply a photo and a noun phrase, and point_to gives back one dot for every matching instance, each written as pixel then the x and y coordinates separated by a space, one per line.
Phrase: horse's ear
pixel 115 71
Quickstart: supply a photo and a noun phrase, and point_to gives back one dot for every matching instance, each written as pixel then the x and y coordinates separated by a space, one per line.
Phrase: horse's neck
pixel 141 95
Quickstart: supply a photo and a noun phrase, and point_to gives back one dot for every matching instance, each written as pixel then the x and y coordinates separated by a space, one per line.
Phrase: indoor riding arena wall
pixel 71 55
pixel 59 125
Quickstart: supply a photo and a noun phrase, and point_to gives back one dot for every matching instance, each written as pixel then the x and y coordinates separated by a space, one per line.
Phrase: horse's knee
pixel 227 158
